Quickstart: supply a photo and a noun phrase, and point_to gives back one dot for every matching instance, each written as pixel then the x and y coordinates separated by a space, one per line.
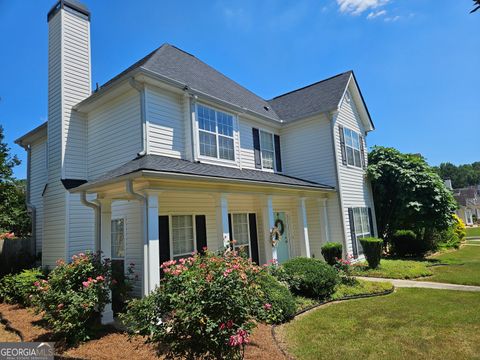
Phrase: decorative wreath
pixel 275 236
pixel 280 226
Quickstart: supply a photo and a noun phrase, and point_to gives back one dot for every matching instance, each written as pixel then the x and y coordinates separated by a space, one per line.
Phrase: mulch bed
pixel 113 344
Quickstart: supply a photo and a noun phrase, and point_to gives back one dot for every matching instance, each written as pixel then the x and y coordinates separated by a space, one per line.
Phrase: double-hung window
pixel 215 132
pixel 353 148
pixel 183 236
pixel 362 225
pixel 118 238
pixel 267 149
pixel 241 233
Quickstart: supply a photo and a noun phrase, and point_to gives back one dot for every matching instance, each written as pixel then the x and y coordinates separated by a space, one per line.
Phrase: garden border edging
pixel 351 297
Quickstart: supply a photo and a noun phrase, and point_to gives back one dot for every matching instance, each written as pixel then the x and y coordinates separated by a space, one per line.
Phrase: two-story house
pixel 171 156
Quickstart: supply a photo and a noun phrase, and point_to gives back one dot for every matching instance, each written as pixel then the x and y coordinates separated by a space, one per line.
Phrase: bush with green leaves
pixel 310 277
pixel 372 249
pixel 331 252
pixel 18 288
pixel 277 303
pixel 73 296
pixel 406 242
pixel 204 308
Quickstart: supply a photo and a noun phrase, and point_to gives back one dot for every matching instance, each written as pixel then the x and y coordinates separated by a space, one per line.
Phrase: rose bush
pixel 205 306
pixel 74 295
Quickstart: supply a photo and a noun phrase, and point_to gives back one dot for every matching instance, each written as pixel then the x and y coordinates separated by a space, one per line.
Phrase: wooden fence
pixel 16 254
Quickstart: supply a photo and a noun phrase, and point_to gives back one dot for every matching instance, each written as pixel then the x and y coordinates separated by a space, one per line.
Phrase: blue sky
pixel 417 61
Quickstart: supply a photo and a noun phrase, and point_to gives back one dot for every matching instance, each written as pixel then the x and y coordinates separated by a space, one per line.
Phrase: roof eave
pixel 171 175
pixel 352 76
pixel 32 135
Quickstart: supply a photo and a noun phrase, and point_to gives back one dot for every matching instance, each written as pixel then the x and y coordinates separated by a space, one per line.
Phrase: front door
pixel 283 246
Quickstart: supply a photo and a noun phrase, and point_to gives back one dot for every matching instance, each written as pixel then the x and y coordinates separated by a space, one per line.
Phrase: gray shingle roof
pixel 164 164
pixel 176 64
pixel 317 98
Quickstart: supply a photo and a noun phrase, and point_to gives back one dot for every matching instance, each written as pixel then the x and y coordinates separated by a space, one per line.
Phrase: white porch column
pixel 268 224
pixel 153 242
pixel 106 247
pixel 302 223
pixel 222 220
pixel 323 212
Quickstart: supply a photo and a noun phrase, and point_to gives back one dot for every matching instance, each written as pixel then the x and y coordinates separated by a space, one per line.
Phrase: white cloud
pixel 392 18
pixel 375 14
pixel 356 7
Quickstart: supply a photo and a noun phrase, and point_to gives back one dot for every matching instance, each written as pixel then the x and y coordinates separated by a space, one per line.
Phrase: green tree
pixel 13 210
pixel 408 194
pixel 462 175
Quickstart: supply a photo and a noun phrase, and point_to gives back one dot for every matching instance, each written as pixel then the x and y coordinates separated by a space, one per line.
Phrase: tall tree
pixel 13 210
pixel 408 193
pixel 461 175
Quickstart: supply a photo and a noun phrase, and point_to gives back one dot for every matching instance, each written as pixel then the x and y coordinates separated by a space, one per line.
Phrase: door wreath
pixel 280 226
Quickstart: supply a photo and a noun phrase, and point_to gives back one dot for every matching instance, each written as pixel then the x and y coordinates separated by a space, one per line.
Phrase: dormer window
pixel 215 130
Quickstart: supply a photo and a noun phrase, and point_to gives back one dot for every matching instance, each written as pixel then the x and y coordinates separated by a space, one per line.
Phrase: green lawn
pixel 395 269
pixel 409 324
pixel 473 231
pixel 463 266
pixel 361 287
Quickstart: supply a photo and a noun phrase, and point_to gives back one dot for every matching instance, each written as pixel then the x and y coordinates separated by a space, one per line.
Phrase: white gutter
pixel 30 208
pixel 96 208
pixel 143 116
pixel 143 203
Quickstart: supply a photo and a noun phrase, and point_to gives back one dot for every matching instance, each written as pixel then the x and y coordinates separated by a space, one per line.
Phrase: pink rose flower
pixel 267 306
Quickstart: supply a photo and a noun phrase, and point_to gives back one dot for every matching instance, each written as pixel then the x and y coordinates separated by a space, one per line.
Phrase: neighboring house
pixel 468 200
pixel 171 156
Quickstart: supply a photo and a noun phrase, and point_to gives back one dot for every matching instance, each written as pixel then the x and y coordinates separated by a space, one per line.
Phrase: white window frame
pixel 124 237
pixel 274 168
pixel 217 134
pixel 170 235
pixel 347 146
pixel 248 232
pixel 362 234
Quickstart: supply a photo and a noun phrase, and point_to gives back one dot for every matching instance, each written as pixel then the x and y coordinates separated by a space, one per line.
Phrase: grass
pixel 360 287
pixel 395 269
pixel 463 266
pixel 409 324
pixel 473 231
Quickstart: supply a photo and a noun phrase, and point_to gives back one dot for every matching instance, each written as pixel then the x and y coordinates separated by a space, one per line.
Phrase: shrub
pixel 372 248
pixel 74 295
pixel 332 251
pixel 345 270
pixel 278 304
pixel 17 289
pixel 405 242
pixel 310 277
pixel 204 308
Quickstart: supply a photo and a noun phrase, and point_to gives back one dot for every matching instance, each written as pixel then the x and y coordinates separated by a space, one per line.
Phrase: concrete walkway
pixel 422 284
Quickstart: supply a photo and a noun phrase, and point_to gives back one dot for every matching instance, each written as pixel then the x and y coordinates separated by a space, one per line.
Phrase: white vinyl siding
pixel 114 133
pixel 354 186
pixel 166 122
pixel 38 180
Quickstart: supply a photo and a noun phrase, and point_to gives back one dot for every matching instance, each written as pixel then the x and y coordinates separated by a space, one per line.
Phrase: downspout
pixel 96 209
pixel 30 208
pixel 143 204
pixel 143 117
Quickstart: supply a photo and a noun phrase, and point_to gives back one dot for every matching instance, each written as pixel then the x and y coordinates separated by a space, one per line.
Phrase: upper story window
pixel 353 148
pixel 267 150
pixel 215 130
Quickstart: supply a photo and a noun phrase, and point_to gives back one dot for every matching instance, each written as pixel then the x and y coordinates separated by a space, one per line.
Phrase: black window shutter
pixel 342 145
pixel 352 233
pixel 252 223
pixel 370 220
pixel 164 238
pixel 230 230
pixel 201 232
pixel 278 155
pixel 256 148
pixel 362 150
